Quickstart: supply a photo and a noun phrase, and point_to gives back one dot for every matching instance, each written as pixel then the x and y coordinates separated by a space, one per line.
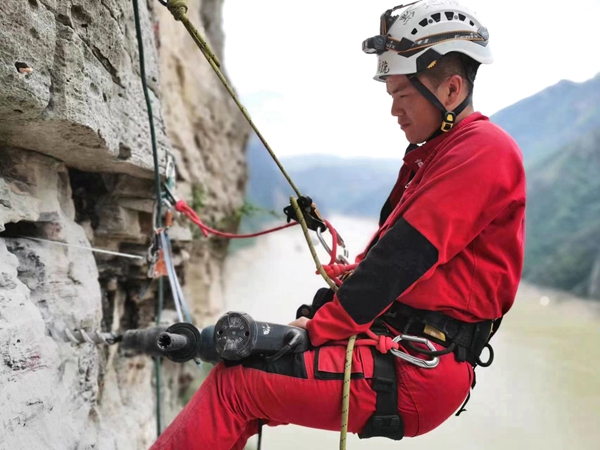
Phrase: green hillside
pixel 552 118
pixel 563 216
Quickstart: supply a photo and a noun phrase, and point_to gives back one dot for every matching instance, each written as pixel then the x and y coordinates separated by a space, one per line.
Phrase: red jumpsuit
pixel 450 239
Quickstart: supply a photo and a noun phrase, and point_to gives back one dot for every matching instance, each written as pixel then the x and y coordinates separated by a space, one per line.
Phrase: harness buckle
pixel 423 363
pixel 448 121
pixel 387 424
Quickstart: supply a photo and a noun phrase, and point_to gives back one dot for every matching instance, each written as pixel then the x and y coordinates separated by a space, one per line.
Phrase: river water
pixel 542 392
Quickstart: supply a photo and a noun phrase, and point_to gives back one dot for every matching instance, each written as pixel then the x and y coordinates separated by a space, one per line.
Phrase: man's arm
pixel 459 195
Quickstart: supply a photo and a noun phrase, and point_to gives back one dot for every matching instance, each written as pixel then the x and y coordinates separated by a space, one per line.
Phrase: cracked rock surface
pixel 82 101
pixel 76 168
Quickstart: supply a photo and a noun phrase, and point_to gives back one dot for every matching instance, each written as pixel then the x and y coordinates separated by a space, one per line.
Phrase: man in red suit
pixel 445 263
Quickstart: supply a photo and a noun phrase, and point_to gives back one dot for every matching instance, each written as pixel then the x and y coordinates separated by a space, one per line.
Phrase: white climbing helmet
pixel 422 32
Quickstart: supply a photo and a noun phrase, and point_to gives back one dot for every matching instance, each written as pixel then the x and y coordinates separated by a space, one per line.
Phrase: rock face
pixel 76 168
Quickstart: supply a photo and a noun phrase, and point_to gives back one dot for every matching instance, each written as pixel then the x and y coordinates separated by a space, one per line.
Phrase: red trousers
pixel 306 389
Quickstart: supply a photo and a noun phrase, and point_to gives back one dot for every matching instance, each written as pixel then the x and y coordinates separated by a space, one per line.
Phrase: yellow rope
pixel 346 392
pixel 349 347
pixel 178 9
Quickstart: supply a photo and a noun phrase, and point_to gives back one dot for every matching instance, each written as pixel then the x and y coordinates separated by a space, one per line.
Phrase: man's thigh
pixel 304 389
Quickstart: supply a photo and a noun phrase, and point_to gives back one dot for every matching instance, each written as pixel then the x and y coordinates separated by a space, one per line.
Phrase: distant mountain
pixel 357 186
pixel 552 118
pixel 266 187
pixel 563 217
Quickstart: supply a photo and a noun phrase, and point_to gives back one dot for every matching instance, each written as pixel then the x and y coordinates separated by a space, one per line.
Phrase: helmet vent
pixel 462 17
pixel 414 31
pixel 437 17
pixel 423 22
pixel 449 15
pixel 472 23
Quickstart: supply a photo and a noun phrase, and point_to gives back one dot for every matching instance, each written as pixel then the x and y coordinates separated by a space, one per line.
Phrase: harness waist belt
pixel 466 339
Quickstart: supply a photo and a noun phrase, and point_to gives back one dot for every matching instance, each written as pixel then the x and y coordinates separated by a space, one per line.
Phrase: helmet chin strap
pixel 448 117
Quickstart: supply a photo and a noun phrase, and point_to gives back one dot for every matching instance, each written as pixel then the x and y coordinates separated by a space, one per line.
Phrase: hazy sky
pixel 307 84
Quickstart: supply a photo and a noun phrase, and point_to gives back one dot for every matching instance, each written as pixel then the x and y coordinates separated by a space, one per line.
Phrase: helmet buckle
pixel 448 121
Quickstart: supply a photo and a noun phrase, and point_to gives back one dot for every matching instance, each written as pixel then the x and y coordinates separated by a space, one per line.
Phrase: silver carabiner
pixel 340 258
pixel 424 363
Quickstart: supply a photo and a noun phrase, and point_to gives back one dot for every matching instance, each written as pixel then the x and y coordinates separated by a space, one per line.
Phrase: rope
pixel 346 392
pixel 351 341
pixel 178 9
pixel 184 208
pixel 158 224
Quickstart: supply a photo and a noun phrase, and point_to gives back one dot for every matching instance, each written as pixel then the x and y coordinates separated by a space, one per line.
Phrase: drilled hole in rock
pixel 18 111
pixel 104 97
pixel 33 3
pixel 23 228
pixel 22 67
pixel 34 33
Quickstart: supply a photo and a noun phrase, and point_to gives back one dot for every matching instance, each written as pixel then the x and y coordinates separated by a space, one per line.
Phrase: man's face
pixel 417 117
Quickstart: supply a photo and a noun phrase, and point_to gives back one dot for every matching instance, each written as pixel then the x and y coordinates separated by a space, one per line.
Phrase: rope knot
pixel 385 343
pixel 178 8
pixel 335 270
pixel 180 205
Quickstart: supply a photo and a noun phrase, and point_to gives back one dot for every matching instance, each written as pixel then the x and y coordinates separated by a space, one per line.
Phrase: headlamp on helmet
pixel 378 44
pixel 375 44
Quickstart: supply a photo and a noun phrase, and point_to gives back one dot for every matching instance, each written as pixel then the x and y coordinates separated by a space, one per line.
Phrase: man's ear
pixel 452 89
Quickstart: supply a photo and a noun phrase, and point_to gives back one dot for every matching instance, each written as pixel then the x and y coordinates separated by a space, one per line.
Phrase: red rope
pixel 333 270
pixel 335 243
pixel 382 343
pixel 185 209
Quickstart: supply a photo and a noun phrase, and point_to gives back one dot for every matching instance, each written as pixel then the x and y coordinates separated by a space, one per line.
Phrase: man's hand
pixel 300 323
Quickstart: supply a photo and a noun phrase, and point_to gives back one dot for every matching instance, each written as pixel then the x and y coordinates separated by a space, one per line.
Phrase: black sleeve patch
pixel 401 257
